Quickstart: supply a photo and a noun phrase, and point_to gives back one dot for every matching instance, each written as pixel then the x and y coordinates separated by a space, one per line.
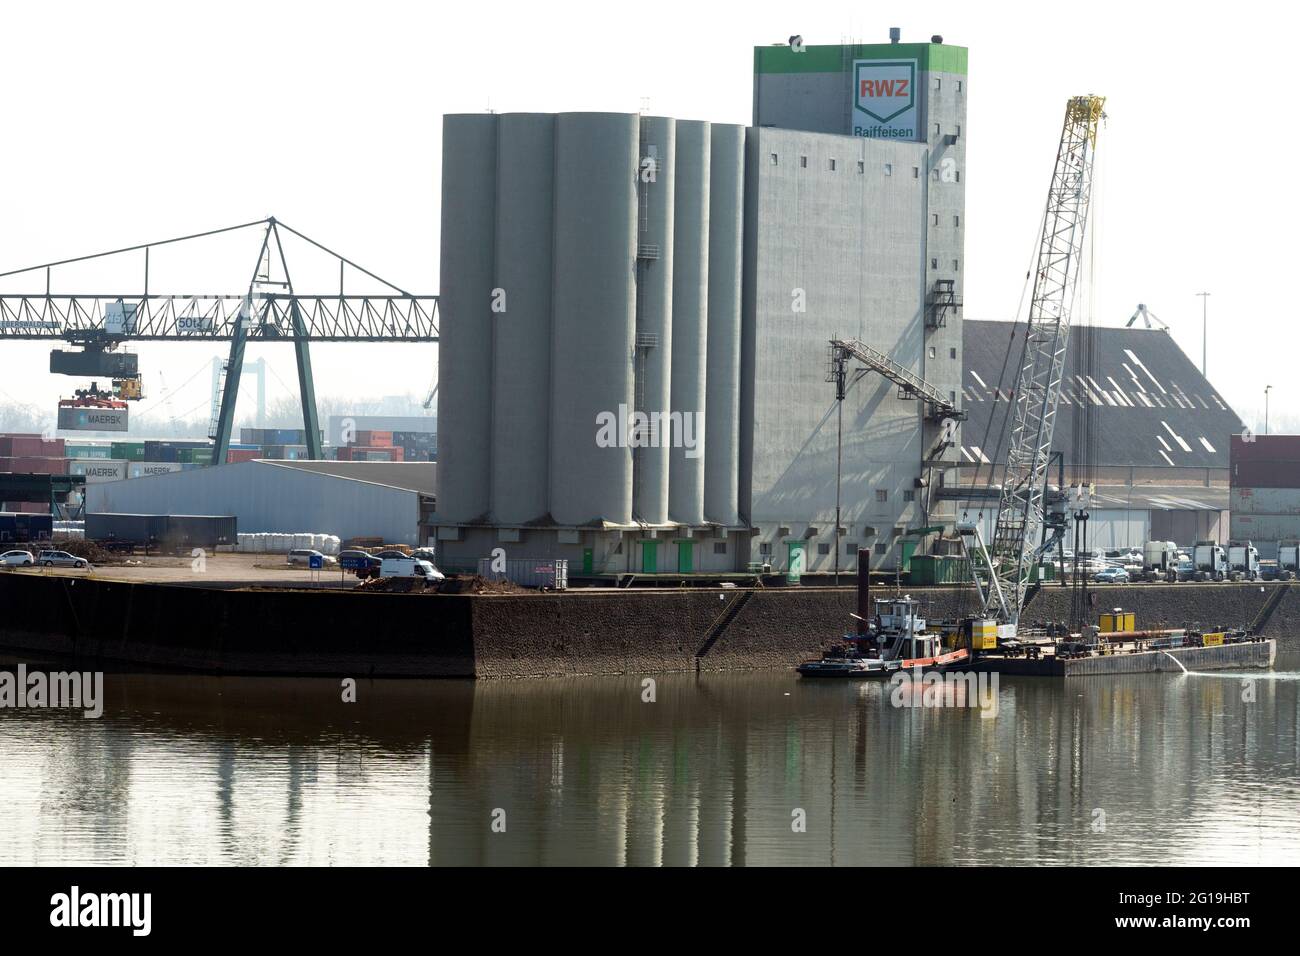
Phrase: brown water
pixel 267 771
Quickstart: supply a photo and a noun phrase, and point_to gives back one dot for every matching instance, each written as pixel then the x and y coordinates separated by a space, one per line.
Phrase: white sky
pixel 131 122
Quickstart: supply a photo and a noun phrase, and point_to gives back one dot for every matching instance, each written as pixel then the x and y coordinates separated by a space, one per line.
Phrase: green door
pixel 588 561
pixel 685 557
pixel 794 561
pixel 908 548
pixel 649 557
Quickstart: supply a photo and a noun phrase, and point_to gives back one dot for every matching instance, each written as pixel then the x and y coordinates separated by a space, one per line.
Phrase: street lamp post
pixel 1266 391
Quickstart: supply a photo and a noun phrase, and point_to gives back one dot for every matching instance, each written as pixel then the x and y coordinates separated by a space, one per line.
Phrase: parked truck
pixel 1243 561
pixel 1210 560
pixel 1160 561
pixel 1288 560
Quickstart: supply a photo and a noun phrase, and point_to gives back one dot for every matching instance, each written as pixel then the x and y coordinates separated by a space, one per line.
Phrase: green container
pixel 129 450
pixel 929 569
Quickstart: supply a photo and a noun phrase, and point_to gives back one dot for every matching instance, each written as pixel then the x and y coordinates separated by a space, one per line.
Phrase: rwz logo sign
pixel 884 99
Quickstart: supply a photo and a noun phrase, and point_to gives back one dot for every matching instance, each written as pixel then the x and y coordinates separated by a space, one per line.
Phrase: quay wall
pixel 273 631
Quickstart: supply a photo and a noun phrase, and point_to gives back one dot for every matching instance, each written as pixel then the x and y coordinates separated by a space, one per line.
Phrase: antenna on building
pixel 1148 318
pixel 895 34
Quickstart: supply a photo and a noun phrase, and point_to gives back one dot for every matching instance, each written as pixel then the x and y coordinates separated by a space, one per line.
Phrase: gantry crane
pixel 1003 568
pixel 269 310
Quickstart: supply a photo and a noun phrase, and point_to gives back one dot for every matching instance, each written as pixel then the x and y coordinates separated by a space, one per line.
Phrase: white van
pixel 409 568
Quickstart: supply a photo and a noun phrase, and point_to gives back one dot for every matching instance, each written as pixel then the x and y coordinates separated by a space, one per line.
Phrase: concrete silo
pixel 593 315
pixel 521 323
pixel 654 332
pixel 464 303
pixel 722 398
pixel 690 320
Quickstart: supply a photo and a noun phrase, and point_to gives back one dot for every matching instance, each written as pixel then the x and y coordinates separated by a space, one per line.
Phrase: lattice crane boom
pixel 1003 569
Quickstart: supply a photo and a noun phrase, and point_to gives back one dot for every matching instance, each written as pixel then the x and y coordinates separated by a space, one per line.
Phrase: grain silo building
pixel 636 312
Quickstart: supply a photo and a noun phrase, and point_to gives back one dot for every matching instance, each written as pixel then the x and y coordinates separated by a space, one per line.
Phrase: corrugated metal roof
pixel 421 476
pixel 1151 407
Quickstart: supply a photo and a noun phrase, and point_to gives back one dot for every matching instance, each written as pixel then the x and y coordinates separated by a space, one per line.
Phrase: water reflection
pixel 268 771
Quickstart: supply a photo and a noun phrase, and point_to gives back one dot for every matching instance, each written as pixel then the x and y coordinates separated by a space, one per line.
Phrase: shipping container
pixel 7 439
pixel 93 419
pixel 29 446
pixel 88 451
pixel 23 526
pixel 166 532
pixel 242 454
pixel 938 569
pixel 147 469
pixel 373 439
pixel 128 450
pixel 551 573
pixel 98 469
pixel 1265 474
pixel 35 466
pixel 1264 448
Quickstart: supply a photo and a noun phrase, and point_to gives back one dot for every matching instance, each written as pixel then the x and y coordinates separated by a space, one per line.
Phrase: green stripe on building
pixel 937 57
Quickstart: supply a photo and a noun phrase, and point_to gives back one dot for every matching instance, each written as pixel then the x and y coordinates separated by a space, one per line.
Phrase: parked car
pixel 392 553
pixel 20 558
pixel 304 556
pixel 60 559
pixel 363 563
pixel 1111 575
pixel 424 554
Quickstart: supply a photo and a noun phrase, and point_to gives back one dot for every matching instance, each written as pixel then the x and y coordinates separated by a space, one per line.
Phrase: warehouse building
pixel 1159 454
pixel 636 313
pixel 1265 503
pixel 389 500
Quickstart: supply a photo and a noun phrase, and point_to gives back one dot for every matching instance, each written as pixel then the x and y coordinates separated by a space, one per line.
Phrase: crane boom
pixel 1002 571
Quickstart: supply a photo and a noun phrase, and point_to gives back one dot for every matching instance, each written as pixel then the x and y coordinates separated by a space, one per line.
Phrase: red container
pixel 7 442
pixel 38 466
pixel 29 446
pixel 29 507
pixel 1265 448
pixel 374 439
pixel 1265 474
pixel 241 454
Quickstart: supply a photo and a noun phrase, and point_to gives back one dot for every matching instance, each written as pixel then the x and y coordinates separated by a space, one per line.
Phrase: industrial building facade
pixel 1265 477
pixel 636 313
pixel 1159 433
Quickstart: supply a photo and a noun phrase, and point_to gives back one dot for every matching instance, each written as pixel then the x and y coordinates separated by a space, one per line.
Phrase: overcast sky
pixel 131 122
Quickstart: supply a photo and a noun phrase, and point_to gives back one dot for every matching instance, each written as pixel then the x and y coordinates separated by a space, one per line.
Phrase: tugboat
pixel 896 639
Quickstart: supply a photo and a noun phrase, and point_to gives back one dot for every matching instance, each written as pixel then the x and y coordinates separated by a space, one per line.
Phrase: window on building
pixel 916 172
pixel 774 160
pixel 719 547
pixel 959 86
pixel 618 549
pixel 909 494
pixel 823 548
pixel 959 129
pixel 938 83
pixel 862 166
pixel 765 549
pixel 851 548
pixel 937 129
pixel 882 494
pixel 952 399
pixel 936 174
pixel 954 266
pixel 931 352
pixel 889 169
pixel 832 165
pixel 934 263
pixel 957 176
pixel 952 353
pixel 881 548
pixel 956 222
pixel 803 162
pixel 935 219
